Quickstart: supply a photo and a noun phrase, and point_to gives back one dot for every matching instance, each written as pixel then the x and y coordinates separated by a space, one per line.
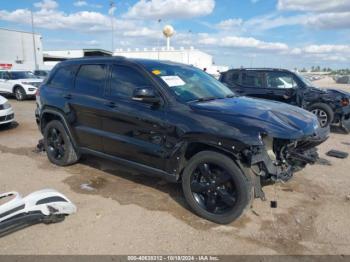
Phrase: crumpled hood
pixel 338 92
pixel 276 119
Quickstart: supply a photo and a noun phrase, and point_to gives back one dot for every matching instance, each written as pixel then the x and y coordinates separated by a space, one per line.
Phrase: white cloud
pixel 46 4
pixel 243 42
pixel 80 3
pixel 314 5
pixel 229 24
pixel 329 20
pixel 156 9
pixel 336 53
pixel 86 4
pixel 318 49
pixel 86 21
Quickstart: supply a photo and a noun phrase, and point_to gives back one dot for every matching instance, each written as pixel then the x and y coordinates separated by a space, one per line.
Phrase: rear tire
pixel 58 146
pixel 228 199
pixel 323 112
pixel 20 94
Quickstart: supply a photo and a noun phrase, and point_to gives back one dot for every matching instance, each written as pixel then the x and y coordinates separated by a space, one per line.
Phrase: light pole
pixel 159 21
pixel 33 36
pixel 111 13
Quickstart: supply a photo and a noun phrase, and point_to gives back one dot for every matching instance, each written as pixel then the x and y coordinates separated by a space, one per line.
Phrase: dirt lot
pixel 134 214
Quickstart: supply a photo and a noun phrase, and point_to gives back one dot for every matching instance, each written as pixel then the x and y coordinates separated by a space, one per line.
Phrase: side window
pixel 280 80
pixel 252 79
pixel 124 80
pixel 232 77
pixel 64 77
pixel 4 75
pixel 90 79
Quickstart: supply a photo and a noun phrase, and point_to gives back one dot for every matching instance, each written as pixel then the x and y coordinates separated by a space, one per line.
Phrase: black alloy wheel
pixel 55 142
pixel 216 188
pixel 213 188
pixel 58 145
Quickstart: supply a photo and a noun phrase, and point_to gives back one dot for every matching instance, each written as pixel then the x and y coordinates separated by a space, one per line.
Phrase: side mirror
pixel 145 95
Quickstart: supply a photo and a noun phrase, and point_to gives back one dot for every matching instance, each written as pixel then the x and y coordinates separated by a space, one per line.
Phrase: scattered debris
pixel 40 146
pixel 87 187
pixel 323 162
pixel 297 220
pixel 337 154
pixel 348 197
pixel 273 204
pixel 346 143
pixel 255 213
pixel 287 190
pixel 44 206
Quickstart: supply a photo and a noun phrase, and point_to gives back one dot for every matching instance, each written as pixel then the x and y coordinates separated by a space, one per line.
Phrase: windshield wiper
pixel 230 95
pixel 204 99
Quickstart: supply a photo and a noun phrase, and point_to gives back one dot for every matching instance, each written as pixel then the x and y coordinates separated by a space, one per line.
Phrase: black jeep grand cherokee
pixel 179 123
pixel 331 106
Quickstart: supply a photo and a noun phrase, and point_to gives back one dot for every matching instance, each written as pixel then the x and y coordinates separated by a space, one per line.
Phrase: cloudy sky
pixel 283 33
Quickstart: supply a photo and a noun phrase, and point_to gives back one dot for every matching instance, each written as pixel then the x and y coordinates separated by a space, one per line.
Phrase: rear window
pixel 64 77
pixel 252 79
pixel 90 79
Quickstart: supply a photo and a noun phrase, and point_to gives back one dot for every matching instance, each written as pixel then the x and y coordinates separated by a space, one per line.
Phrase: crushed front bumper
pixel 290 157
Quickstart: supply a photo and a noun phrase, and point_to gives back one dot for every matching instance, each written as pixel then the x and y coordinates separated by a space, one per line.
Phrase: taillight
pixel 345 102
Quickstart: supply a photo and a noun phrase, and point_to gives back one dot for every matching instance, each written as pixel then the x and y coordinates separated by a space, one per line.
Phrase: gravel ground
pixel 129 213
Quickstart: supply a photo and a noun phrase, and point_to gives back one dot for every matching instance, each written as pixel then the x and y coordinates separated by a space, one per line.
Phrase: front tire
pixel 323 112
pixel 216 188
pixel 58 146
pixel 20 94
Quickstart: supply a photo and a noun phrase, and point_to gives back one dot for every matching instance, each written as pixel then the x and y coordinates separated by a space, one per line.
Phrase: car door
pixel 5 83
pixel 252 83
pixel 134 130
pixel 282 86
pixel 87 104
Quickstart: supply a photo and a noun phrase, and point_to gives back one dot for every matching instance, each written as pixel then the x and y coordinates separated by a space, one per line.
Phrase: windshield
pixel 21 75
pixel 189 83
pixel 305 80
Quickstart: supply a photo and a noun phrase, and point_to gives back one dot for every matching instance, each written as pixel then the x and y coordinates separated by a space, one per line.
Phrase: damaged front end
pixel 278 159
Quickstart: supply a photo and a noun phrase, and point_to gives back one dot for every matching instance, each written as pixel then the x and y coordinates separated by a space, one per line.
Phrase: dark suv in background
pixel 179 123
pixel 330 106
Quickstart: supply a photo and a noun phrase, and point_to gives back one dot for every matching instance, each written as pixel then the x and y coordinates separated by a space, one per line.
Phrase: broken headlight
pixel 268 143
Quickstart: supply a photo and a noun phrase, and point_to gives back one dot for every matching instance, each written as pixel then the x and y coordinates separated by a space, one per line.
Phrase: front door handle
pixel 67 96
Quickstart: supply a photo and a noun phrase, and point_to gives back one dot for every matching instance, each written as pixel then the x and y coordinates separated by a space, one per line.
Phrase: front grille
pixel 6 118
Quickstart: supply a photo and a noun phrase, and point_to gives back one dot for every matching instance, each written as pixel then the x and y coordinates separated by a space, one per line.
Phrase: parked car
pixel 7 115
pixel 330 106
pixel 179 123
pixel 22 84
pixel 41 73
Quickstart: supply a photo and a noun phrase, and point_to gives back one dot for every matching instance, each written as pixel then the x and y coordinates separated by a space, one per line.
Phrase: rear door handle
pixel 111 104
pixel 67 96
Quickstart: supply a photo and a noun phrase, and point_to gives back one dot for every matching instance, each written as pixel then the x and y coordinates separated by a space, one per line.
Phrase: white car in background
pixel 6 112
pixel 22 84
